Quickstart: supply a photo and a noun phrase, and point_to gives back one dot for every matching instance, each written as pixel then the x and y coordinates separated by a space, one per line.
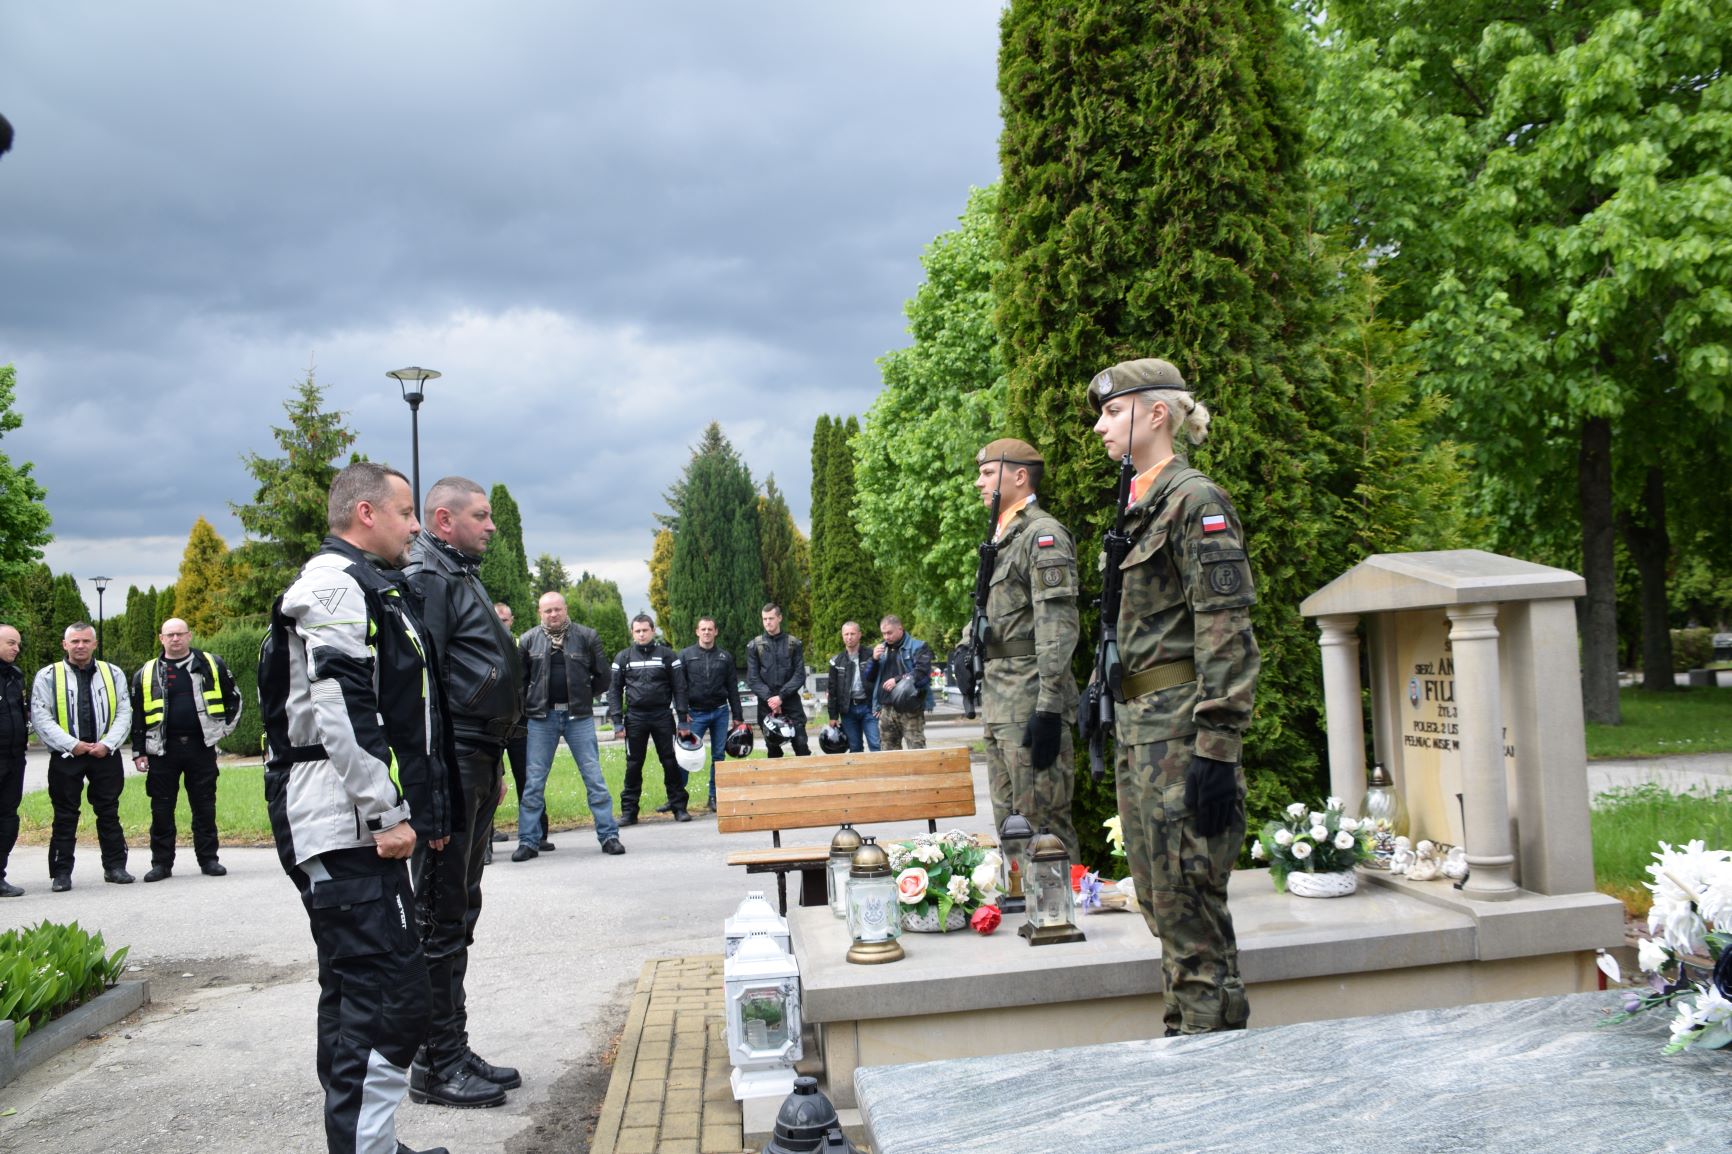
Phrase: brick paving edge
pixel 607 1124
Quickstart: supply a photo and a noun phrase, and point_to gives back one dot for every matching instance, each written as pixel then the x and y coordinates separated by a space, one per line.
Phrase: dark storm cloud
pixel 607 224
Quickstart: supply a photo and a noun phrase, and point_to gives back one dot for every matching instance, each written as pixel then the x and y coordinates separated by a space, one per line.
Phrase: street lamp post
pixel 412 380
pixel 101 584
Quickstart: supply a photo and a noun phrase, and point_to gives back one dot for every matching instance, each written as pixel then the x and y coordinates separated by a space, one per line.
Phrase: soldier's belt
pixel 1023 648
pixel 1159 677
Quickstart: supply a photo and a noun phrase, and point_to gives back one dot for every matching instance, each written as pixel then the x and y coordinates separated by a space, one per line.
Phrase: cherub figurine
pixel 1402 859
pixel 1455 863
pixel 1425 863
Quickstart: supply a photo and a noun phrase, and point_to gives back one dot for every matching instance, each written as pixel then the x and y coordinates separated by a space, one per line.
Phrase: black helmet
pixel 831 739
pixel 906 696
pixel 739 743
pixel 777 728
pixel 689 751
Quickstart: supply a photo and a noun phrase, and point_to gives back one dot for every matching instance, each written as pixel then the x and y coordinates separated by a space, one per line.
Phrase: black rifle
pixel 1106 686
pixel 968 665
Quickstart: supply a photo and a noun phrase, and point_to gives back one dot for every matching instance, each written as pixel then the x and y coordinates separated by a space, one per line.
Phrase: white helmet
pixel 689 751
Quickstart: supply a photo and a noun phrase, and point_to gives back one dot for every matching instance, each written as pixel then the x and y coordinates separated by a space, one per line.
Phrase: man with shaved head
pixel 14 738
pixel 80 709
pixel 183 703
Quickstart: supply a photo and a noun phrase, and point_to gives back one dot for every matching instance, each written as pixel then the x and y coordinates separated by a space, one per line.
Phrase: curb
pixel 607 1124
pixel 101 1012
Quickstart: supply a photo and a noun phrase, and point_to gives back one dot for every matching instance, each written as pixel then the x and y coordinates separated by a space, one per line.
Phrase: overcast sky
pixel 606 224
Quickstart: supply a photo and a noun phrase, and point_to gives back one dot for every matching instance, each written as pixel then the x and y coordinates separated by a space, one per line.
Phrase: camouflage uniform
pixel 1185 612
pixel 1031 606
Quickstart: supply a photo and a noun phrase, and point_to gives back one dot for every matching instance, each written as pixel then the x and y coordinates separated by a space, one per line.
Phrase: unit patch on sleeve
pixel 1051 576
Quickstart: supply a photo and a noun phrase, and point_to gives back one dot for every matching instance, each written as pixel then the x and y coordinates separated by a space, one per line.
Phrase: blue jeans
pixel 858 722
pixel 715 723
pixel 578 729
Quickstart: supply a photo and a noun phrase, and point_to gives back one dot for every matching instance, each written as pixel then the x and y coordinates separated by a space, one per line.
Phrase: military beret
pixel 1011 451
pixel 1139 376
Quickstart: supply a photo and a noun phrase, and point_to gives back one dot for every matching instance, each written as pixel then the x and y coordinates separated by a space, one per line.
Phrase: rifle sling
pixel 1023 648
pixel 1159 677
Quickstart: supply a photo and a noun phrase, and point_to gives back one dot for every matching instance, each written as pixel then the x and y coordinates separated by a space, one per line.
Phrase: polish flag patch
pixel 1046 541
pixel 1214 523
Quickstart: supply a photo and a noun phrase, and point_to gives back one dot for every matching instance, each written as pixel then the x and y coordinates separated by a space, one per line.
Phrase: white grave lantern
pixel 762 986
pixel 755 915
pixel 842 848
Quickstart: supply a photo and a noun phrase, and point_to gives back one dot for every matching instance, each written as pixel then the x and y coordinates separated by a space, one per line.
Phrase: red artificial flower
pixel 985 919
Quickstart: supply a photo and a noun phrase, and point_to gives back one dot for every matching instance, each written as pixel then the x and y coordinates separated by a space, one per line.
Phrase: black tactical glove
pixel 1211 792
pixel 1041 738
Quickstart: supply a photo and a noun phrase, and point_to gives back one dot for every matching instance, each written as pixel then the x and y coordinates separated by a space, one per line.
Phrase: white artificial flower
pixel 1681 878
pixel 1344 840
pixel 1334 803
pixel 1715 900
pixel 1318 818
pixel 1257 851
pixel 1704 1020
pixel 1283 837
pixel 1319 832
pixel 929 852
pixel 899 856
pixel 985 875
pixel 959 839
pixel 1301 850
pixel 1349 824
pixel 1651 956
pixel 957 888
pixel 1297 809
pixel 1608 965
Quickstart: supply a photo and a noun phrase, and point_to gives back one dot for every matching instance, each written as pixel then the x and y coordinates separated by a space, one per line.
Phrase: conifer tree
pixel 32 595
pixel 850 588
pixel 550 574
pixel 68 606
pixel 715 569
pixel 785 558
pixel 141 631
pixel 820 565
pixel 201 582
pixel 660 561
pixel 597 603
pixel 504 568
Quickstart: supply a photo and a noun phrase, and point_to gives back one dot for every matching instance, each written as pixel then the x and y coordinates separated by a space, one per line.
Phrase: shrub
pixel 237 643
pixel 1691 649
pixel 48 969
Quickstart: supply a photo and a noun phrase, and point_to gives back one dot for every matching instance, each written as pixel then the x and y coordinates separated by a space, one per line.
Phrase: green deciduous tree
pixel 504 568
pixel 286 520
pixel 785 558
pixel 200 587
pixel 943 398
pixel 715 568
pixel 31 594
pixel 597 603
pixel 24 518
pixel 1548 183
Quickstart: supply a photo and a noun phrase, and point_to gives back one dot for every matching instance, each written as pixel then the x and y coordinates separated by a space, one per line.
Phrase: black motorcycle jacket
pixel 587 672
pixel 712 679
pixel 776 667
pixel 478 664
pixel 651 678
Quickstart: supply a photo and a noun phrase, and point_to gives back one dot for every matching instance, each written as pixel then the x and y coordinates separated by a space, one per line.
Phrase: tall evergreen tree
pixel 597 603
pixel 504 568
pixel 550 574
pixel 24 518
pixel 821 563
pixel 1151 206
pixel 200 584
pixel 32 595
pixel 851 589
pixel 166 606
pixel 715 568
pixel 784 557
pixel 660 562
pixel 69 606
pixel 286 520
pixel 141 630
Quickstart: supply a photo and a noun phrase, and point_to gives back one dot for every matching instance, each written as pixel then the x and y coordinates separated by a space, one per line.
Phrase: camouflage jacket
pixel 1033 598
pixel 1188 596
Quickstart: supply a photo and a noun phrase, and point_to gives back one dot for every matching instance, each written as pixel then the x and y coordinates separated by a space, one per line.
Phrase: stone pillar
pixel 1485 798
pixel 1342 708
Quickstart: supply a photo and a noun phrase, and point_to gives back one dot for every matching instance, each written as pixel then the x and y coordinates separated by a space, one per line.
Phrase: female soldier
pixel 1190 670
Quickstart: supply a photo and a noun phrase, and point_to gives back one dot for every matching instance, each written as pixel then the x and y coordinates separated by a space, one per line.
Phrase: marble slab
pixel 1538 1076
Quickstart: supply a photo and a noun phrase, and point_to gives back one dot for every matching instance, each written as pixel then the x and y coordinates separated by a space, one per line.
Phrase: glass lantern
pixel 1013 838
pixel 755 915
pixel 762 986
pixel 1382 811
pixel 1051 905
pixel 874 914
pixel 842 848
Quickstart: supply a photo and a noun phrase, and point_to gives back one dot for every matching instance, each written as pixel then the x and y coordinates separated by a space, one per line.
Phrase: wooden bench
pixel 863 789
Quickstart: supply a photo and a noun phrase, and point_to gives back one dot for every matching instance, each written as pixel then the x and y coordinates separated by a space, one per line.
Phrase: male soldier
pixel 355 738
pixel 14 739
pixel 185 702
pixel 776 672
pixel 1029 694
pixel 80 709
pixel 1190 667
pixel 850 689
pixel 713 691
pixel 478 665
pixel 652 682
pixel 899 655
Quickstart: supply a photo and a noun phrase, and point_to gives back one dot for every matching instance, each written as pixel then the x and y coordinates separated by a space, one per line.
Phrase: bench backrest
pixel 862 788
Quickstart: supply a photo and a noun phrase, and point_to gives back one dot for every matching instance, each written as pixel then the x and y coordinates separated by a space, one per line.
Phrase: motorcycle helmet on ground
pixel 777 728
pixel 831 739
pixel 906 697
pixel 689 751
pixel 739 743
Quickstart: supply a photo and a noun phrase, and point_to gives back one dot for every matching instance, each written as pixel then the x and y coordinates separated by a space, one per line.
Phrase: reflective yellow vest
pixel 63 695
pixel 153 705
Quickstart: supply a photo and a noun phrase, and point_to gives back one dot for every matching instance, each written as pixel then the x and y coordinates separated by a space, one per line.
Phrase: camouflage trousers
pixel 1181 881
pixel 1042 796
pixel 901 730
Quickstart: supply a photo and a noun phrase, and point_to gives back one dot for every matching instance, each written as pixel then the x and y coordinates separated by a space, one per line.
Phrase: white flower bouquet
pixel 938 873
pixel 1691 919
pixel 1314 841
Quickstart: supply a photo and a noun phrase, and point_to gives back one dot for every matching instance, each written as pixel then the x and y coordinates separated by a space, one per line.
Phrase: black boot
pixel 628 817
pixel 462 1088
pixel 505 1077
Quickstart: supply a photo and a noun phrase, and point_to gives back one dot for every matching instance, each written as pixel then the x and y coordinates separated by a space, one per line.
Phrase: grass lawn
pixel 1696 720
pixel 1629 825
pixel 241 817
